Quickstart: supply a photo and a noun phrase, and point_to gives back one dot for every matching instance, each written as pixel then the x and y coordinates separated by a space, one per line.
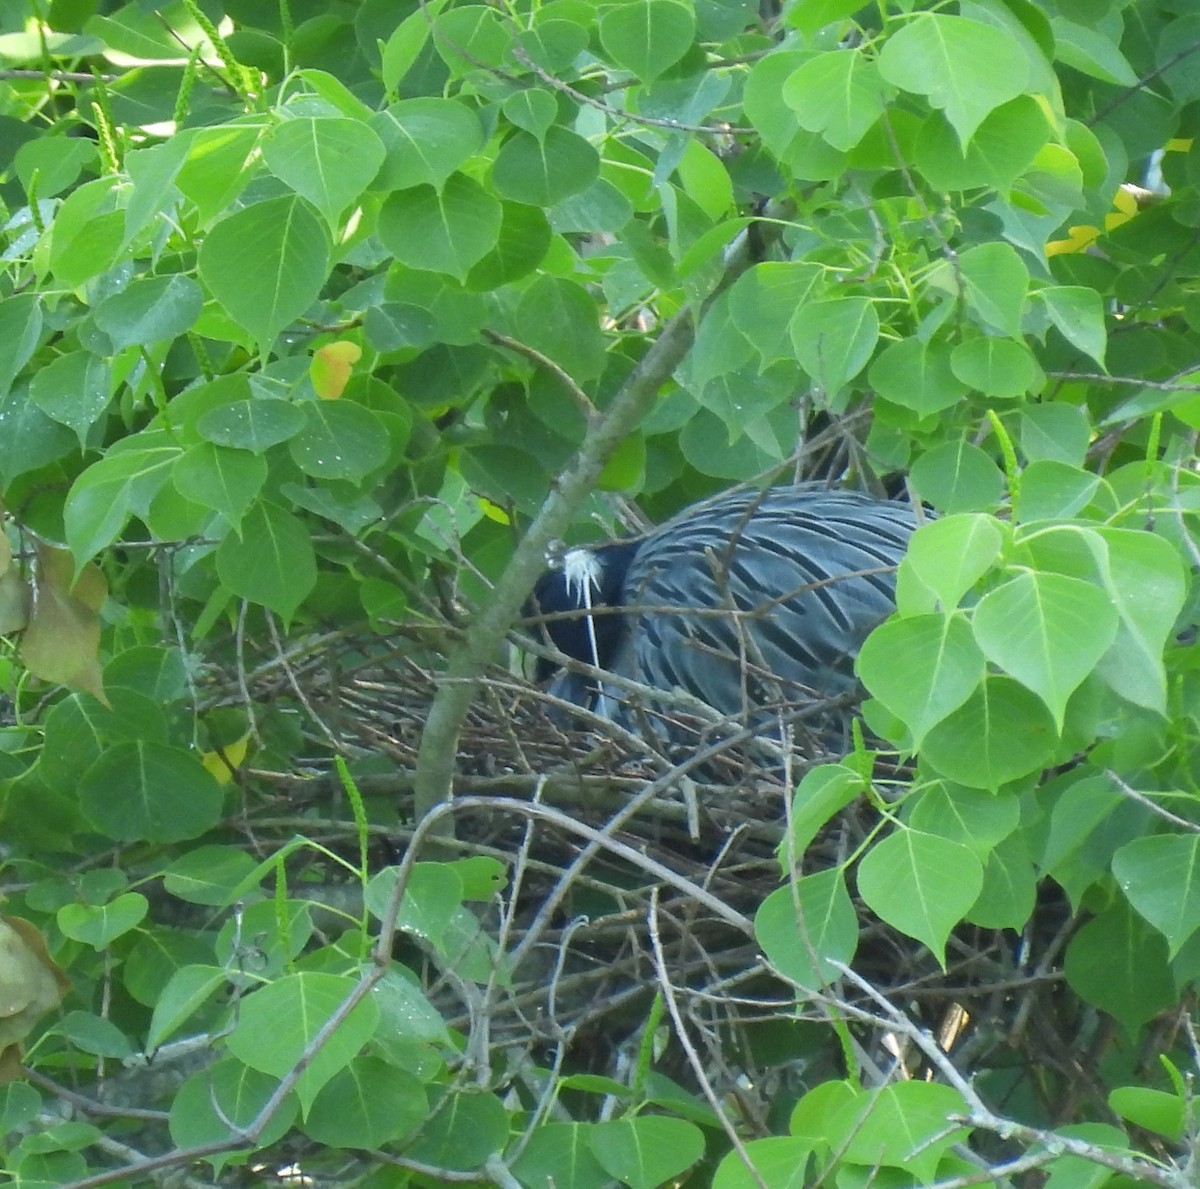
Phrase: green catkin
pixel 185 86
pixel 107 141
pixel 1009 454
pixel 237 75
pixel 35 215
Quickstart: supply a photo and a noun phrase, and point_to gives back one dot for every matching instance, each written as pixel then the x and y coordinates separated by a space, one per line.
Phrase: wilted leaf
pixel 62 642
pixel 31 984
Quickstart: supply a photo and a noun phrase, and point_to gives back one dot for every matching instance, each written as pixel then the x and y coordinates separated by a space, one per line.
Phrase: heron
pixel 752 603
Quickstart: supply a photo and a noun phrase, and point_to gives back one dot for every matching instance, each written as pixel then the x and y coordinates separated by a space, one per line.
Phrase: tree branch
pixel 439 741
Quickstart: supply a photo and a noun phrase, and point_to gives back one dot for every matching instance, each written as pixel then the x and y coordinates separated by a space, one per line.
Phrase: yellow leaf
pixel 223 763
pixel 493 511
pixel 331 367
pixel 1079 239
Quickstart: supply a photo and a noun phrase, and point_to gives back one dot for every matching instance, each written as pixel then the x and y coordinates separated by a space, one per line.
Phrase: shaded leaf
pixel 272 563
pixel 142 791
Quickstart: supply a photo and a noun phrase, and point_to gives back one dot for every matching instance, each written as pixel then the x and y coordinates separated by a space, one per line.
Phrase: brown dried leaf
pixel 62 642
pixel 31 982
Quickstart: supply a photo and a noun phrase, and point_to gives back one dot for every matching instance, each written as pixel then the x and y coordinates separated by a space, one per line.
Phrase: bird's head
pixel 588 582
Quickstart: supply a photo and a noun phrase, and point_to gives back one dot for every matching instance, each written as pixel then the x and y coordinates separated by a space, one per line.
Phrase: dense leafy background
pixel 304 309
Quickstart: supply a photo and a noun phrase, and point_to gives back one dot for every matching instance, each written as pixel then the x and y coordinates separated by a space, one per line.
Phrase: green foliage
pixel 304 310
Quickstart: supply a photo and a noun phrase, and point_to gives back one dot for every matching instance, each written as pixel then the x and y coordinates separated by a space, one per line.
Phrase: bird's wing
pixel 782 586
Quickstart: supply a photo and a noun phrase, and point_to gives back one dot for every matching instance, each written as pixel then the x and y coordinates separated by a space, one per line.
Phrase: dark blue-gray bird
pixel 754 602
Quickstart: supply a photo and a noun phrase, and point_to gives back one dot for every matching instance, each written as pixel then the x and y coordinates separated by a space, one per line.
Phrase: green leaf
pixel 186 992
pixel 1053 491
pixel 916 375
pixel 1090 51
pixel 1055 431
pixel 30 439
pixel 524 240
pixel 272 563
pixel 209 875
pixel 834 339
pixel 1003 147
pixel 406 43
pixel 340 440
pixel 445 230
pixel 215 1105
pixel 646 1151
pixel 20 328
pixel 762 301
pixel 87 232
pixel 1077 313
pixel 57 162
pixel 96 1034
pixel 255 425
pixel 1118 963
pixel 431 898
pixel 560 1154
pixel 647 37
pixel 278 1022
pixel 1049 631
pixel 427 139
pixel 904 1125
pixel 802 926
pixel 1090 820
pixel 266 264
pixel 74 390
pixel 405 1011
pixel 105 495
pixel 813 15
pixel 155 310
pixel 99 925
pixel 964 67
pixel 1150 1109
pixel 839 94
pixel 543 171
pixel 223 479
pixel 958 477
pixel 1000 368
pixel 463 1132
pixel 1010 885
pixel 977 819
pixel 1143 576
pixel 1000 733
pixel 994 283
pixel 947 557
pixel 780 1161
pixel 922 668
pixel 220 162
pixel 327 159
pixel 471 37
pixel 365 1105
pixel 560 319
pixel 1160 877
pixel 823 792
pixel 532 110
pixel 921 884
pixel 152 172
pixel 140 791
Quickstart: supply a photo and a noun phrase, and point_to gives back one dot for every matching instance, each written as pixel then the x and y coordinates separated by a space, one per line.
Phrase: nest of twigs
pixel 631 872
